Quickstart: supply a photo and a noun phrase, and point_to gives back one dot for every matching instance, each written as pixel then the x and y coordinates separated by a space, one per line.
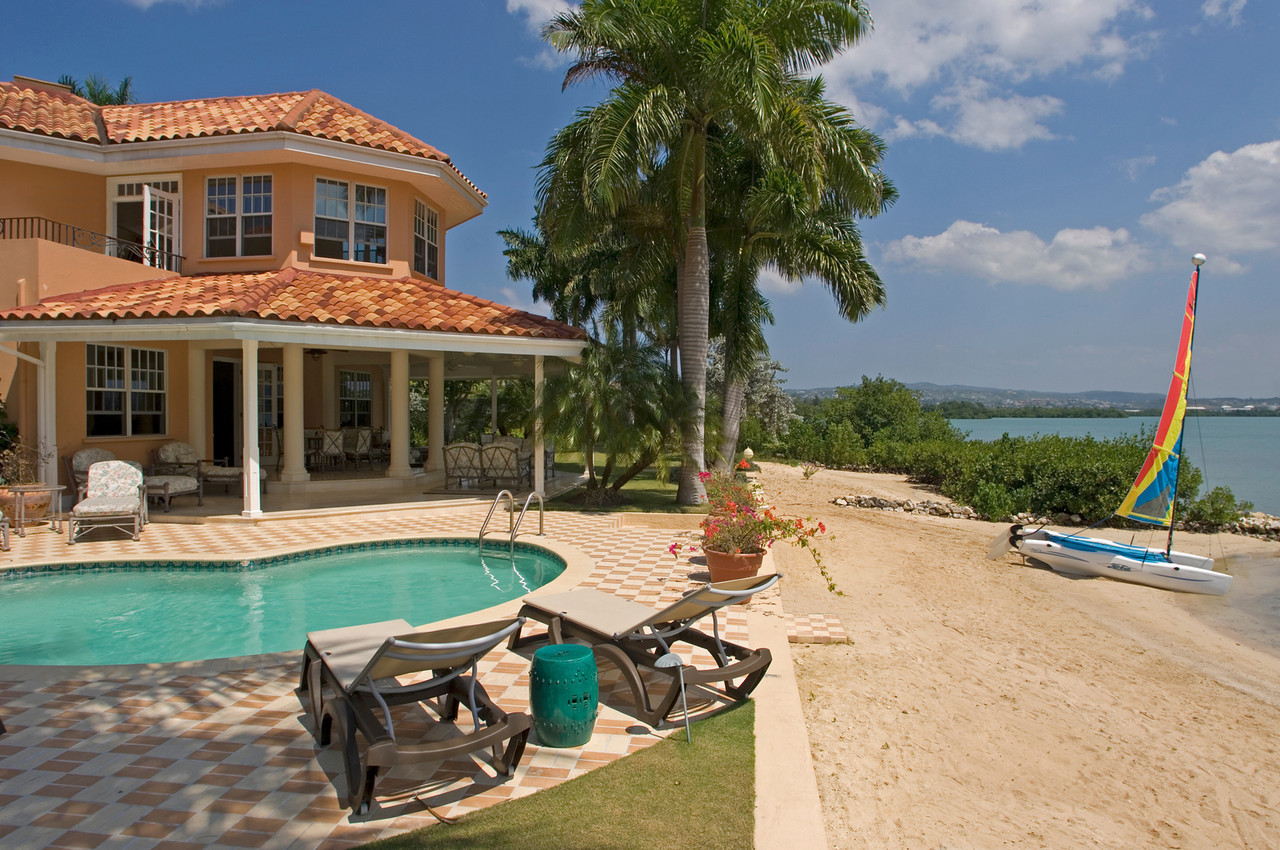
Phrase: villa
pixel 237 274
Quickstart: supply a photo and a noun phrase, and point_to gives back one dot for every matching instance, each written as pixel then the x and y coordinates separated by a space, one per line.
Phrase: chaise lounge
pixel 114 497
pixel 351 678
pixel 634 637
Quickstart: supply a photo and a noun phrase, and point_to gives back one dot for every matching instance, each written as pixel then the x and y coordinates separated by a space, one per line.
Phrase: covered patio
pixel 250 367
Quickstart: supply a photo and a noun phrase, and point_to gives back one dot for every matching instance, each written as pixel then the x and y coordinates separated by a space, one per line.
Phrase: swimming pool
pixel 139 612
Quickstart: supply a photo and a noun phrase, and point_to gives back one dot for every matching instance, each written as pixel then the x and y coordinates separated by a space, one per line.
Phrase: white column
pixel 249 460
pixel 539 455
pixel 197 414
pixel 435 412
pixel 398 392
pixel 47 413
pixel 295 462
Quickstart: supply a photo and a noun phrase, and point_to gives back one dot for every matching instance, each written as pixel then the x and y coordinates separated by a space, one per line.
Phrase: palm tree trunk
pixel 694 305
pixel 731 411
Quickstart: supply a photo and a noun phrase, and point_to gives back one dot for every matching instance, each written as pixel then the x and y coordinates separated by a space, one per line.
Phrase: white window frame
pixel 360 407
pixel 152 191
pixel 240 214
pixel 426 231
pixel 122 376
pixel 351 249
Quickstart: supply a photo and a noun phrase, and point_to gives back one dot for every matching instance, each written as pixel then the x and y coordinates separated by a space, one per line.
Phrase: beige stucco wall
pixel 293 222
pixel 66 196
pixel 71 405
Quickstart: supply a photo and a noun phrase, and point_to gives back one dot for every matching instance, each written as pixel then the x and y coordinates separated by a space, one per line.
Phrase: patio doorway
pixel 225 421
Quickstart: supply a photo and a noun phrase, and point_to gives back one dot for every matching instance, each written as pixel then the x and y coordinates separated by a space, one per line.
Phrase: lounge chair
pixel 634 637
pixel 350 680
pixel 177 458
pixel 114 497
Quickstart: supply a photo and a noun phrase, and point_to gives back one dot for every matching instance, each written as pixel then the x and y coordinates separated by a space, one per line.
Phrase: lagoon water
pixel 1240 452
pixel 1237 452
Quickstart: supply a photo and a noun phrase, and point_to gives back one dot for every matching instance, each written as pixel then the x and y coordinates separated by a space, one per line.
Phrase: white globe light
pixel 1198 259
pixel 747 454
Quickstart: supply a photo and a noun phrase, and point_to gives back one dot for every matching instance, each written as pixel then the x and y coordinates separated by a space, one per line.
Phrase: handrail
pixel 541 515
pixel 36 227
pixel 511 513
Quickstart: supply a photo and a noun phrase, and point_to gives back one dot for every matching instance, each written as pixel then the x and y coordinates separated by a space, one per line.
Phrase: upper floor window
pixel 237 220
pixel 426 247
pixel 351 221
pixel 125 391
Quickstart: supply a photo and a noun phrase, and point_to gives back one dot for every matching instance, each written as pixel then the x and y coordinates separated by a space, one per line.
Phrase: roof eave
pixel 310 334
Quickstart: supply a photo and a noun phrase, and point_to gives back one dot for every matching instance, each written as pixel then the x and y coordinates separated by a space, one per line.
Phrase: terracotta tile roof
pixel 310 113
pixel 295 295
pixel 48 113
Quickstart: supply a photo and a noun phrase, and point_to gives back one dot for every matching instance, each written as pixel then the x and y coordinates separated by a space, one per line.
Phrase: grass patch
pixel 644 493
pixel 673 794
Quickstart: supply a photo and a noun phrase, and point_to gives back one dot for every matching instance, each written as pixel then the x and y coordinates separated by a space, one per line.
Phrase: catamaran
pixel 1151 500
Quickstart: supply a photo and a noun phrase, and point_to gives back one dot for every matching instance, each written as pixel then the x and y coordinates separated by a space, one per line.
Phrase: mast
pixel 1197 260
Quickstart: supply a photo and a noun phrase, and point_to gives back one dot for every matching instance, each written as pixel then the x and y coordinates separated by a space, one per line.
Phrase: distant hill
pixel 993 397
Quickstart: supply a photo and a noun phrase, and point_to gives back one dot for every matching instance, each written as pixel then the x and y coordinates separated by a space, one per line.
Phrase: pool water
pixel 137 613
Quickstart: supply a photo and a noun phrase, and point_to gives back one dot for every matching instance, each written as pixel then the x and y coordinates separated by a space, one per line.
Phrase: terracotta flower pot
pixel 729 565
pixel 35 505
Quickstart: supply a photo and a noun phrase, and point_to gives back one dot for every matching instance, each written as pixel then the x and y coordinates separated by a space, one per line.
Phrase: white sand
pixel 986 703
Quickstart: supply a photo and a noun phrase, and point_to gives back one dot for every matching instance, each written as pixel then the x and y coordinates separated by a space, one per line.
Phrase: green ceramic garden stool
pixel 563 694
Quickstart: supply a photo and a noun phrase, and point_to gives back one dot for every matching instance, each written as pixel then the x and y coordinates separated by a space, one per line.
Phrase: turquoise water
pixel 136 614
pixel 1237 452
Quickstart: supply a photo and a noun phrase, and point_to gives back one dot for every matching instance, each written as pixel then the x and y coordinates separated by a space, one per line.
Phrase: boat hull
pixel 1094 556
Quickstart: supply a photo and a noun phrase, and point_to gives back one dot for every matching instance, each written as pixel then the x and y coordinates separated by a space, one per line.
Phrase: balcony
pixel 34 227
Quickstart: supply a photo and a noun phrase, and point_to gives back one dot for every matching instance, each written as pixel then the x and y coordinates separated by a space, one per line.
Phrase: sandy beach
pixel 986 703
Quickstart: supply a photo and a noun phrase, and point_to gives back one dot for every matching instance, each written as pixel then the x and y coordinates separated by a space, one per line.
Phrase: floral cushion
pixel 178 484
pixel 106 506
pixel 114 478
pixel 209 469
pixel 177 453
pixel 85 458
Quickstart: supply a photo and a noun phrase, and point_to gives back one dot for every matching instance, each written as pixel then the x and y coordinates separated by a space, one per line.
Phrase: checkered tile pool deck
pixel 220 753
pixel 815 628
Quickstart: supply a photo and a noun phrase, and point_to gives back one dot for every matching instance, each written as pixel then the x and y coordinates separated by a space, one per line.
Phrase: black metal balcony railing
pixel 34 227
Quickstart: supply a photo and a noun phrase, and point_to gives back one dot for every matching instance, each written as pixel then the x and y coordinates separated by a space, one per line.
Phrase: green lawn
pixel 644 493
pixel 673 794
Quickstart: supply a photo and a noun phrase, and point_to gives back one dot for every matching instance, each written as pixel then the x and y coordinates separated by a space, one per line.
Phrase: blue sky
pixel 1058 163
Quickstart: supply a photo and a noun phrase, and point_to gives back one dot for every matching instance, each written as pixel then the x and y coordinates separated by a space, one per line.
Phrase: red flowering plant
pixel 740 524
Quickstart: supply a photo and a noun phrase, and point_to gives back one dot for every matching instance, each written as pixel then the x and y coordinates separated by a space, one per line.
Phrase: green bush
pixel 1215 509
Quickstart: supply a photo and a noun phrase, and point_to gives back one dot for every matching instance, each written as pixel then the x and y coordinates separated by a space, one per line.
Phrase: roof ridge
pixel 289 121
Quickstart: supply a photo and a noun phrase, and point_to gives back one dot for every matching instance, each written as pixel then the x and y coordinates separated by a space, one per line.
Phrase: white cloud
pixel 915 42
pixel 973 51
pixel 537 12
pixel 144 5
pixel 997 123
pixel 1075 259
pixel 772 282
pixel 1229 203
pixel 1228 10
pixel 1135 165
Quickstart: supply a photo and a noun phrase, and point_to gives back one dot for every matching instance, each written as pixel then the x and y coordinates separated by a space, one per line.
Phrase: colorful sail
pixel 1150 499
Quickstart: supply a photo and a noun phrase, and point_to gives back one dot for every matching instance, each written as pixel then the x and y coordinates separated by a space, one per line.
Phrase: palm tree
pixel 684 68
pixel 97 90
pixel 768 216
pixel 621 400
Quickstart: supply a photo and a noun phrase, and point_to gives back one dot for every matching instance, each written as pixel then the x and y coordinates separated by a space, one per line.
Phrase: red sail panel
pixel 1150 499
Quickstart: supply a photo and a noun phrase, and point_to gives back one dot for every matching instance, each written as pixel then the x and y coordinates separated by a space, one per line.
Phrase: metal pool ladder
pixel 513 523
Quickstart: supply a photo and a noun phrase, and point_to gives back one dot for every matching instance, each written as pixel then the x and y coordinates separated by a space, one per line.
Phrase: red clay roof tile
pixel 311 113
pixel 296 295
